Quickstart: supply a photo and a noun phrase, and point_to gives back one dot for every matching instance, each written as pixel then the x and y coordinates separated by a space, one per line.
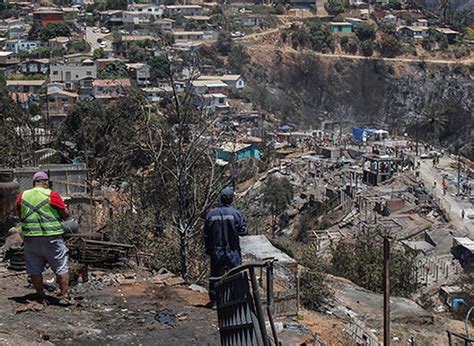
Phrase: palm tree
pixel 434 120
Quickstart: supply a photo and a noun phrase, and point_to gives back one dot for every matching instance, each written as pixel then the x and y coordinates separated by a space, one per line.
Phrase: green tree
pixel 136 53
pixel 113 70
pixel 51 30
pixel 366 48
pixel 313 282
pixel 168 39
pixel 160 68
pixel 224 42
pixel 349 45
pixel 77 46
pixel 362 263
pixel 14 147
pixel 388 28
pixel 365 31
pixel 107 136
pixel 435 40
pixel 300 38
pixel 320 37
pixel 334 7
pixel 238 58
pixel 389 46
pixel 277 196
pixel 99 54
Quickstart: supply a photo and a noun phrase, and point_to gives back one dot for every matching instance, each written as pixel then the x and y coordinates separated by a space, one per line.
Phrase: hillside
pixel 303 87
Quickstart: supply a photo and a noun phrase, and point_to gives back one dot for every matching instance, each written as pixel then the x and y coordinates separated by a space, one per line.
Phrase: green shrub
pixel 366 48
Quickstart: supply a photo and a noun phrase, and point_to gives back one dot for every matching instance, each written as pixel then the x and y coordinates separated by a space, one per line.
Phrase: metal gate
pixel 240 309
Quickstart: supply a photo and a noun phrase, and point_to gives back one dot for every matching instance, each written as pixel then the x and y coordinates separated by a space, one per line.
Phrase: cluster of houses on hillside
pixel 76 77
pixel 416 29
pixel 56 83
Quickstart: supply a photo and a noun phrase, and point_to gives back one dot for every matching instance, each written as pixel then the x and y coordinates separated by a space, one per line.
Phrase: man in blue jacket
pixel 222 228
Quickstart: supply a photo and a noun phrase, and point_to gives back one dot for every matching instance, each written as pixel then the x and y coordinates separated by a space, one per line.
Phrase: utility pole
pixel 416 140
pixel 386 291
pixel 459 174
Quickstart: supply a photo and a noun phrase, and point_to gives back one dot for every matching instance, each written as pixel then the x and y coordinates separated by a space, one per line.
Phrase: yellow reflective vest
pixel 38 217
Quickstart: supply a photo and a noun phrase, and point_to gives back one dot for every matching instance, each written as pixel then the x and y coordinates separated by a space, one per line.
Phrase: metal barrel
pixel 17 259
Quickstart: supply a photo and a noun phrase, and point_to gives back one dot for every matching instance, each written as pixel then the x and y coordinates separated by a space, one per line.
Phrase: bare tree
pixel 188 179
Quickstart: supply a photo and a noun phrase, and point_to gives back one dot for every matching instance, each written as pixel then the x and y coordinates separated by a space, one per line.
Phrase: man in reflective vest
pixel 222 228
pixel 41 213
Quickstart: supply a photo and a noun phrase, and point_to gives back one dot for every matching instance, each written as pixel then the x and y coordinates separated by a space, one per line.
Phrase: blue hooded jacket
pixel 222 228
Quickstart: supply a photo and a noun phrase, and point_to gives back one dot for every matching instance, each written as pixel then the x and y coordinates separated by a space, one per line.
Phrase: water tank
pixel 9 191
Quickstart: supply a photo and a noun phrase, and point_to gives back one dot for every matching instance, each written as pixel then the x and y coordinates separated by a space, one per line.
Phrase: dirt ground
pixel 114 315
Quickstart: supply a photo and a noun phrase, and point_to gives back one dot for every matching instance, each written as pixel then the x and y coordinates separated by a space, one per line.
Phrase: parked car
pixel 96 30
pixel 104 30
pixel 237 34
pixel 103 44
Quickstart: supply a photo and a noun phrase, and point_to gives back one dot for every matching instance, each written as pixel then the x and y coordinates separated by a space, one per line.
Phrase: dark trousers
pixel 219 266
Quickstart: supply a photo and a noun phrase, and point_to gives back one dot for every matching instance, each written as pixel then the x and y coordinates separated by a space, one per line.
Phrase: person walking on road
pixel 41 214
pixel 222 228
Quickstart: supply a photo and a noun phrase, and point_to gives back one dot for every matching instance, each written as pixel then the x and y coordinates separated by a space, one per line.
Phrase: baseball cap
pixel 227 192
pixel 40 176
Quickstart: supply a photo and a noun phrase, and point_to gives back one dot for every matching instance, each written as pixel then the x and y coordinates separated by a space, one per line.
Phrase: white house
pixel 184 36
pixel 110 88
pixel 233 81
pixel 185 10
pixel 73 74
pixel 417 32
pixel 422 22
pixel 354 21
pixel 35 66
pixel 215 102
pixel 140 72
pixel 156 94
pixel 25 86
pixel 165 24
pixel 9 58
pixel 150 9
pixel 135 18
pixel 201 87
pixel 20 45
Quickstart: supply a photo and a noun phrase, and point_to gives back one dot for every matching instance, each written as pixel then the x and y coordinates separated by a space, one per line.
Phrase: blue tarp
pixel 357 134
pixel 360 135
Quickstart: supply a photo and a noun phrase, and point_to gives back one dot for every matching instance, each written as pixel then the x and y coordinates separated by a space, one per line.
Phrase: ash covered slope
pixel 310 89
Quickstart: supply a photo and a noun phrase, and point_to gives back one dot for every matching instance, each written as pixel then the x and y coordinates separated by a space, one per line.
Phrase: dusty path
pixel 455 205
pixel 105 314
pixel 253 38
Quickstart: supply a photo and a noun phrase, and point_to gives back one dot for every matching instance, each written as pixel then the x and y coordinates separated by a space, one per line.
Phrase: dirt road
pixel 91 38
pixel 454 204
pixel 250 39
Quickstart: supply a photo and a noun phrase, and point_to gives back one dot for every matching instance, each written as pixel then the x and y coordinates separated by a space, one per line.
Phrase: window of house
pixel 55 73
pixel 89 73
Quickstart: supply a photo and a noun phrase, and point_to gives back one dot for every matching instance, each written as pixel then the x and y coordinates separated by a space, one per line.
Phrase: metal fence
pixel 240 307
pixel 68 180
